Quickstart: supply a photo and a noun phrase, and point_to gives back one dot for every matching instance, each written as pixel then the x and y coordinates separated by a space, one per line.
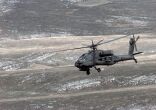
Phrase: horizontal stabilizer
pixel 137 53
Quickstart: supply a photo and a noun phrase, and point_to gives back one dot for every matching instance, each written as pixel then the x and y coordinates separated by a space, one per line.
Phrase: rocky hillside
pixel 42 18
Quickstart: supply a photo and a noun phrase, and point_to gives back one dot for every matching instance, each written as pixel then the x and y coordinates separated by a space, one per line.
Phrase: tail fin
pixel 131 46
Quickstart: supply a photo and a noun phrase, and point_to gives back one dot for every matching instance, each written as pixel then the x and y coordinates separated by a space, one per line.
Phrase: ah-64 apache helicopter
pixel 95 57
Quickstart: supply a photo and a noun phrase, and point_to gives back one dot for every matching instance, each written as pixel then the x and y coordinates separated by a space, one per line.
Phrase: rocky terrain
pixel 38 18
pixel 34 77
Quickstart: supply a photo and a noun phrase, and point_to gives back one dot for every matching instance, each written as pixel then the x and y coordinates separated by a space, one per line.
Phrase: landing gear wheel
pixel 99 70
pixel 88 72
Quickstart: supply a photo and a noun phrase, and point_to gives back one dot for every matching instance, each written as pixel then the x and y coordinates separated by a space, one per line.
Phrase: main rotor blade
pixel 92 42
pixel 99 42
pixel 133 36
pixel 112 40
pixel 71 49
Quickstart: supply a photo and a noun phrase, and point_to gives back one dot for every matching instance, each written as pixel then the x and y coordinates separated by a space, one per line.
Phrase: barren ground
pixel 34 77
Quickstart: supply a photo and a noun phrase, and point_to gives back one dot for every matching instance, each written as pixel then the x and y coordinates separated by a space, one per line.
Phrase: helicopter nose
pixel 78 64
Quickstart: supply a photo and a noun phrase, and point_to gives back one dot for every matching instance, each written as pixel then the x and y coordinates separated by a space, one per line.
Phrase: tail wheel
pixel 135 60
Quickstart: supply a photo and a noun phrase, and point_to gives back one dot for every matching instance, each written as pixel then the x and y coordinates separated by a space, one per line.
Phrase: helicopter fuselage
pixel 102 57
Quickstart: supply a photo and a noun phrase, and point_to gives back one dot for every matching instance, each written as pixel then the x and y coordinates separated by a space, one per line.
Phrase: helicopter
pixel 96 57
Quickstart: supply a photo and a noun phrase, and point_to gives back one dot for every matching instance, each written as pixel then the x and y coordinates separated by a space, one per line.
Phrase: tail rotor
pixel 133 42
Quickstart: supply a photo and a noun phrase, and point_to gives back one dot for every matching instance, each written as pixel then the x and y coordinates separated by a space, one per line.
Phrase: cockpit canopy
pixel 86 57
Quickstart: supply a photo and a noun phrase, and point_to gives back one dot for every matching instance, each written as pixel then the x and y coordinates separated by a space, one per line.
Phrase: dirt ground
pixel 37 18
pixel 33 77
